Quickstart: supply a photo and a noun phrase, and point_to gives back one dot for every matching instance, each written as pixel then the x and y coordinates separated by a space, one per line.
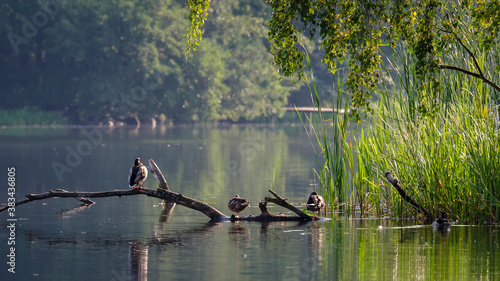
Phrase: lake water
pixel 128 238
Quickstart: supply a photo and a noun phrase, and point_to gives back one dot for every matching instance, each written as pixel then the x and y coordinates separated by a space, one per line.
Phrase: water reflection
pixel 68 213
pixel 138 261
pixel 132 238
pixel 442 230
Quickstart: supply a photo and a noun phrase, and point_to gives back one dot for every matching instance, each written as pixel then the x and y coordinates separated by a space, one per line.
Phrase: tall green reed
pixel 329 136
pixel 448 161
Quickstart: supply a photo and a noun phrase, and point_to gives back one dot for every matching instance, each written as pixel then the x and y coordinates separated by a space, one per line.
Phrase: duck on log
pixel 171 199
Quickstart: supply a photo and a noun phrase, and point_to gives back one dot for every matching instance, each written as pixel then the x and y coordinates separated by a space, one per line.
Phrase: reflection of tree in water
pixel 138 261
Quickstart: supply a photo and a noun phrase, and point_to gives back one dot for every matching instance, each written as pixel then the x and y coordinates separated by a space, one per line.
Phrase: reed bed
pixel 446 161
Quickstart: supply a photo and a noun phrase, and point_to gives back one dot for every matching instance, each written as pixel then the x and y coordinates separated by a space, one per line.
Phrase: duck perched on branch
pixel 237 204
pixel 137 175
pixel 315 203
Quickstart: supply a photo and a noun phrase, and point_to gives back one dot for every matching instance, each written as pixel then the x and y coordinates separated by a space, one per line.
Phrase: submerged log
pixel 172 198
pixel 267 216
pixel 175 198
pixel 390 178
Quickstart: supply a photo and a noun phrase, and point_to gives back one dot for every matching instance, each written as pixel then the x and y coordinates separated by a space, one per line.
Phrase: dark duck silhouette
pixel 237 204
pixel 315 203
pixel 138 174
pixel 442 221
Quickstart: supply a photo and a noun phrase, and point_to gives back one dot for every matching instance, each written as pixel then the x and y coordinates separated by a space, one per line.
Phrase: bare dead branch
pixel 158 174
pixel 175 198
pixel 486 80
pixel 285 204
pixel 168 196
pixel 171 199
pixel 390 178
pixel 479 75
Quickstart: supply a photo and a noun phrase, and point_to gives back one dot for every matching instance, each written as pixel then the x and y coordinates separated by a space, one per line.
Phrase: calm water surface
pixel 129 239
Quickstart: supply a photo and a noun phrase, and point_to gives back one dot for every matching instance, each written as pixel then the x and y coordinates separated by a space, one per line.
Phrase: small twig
pixel 276 195
pixel 85 200
pixel 263 207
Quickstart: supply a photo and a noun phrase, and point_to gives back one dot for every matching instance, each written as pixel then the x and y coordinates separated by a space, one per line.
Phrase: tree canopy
pixel 357 29
pixel 126 58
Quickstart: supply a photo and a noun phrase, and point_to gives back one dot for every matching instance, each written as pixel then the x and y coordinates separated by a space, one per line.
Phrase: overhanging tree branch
pixel 479 75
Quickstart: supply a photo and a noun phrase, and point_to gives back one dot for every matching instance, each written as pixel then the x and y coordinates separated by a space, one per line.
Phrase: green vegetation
pixel 90 60
pixel 436 124
pixel 332 160
pixel 358 29
pixel 29 116
pixel 448 161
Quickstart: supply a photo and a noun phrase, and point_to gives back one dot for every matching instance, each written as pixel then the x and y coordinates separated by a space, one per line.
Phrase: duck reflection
pixel 316 239
pixel 239 234
pixel 138 261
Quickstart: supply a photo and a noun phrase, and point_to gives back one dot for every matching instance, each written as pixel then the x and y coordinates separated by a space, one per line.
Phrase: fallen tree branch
pixel 168 196
pixel 482 77
pixel 283 203
pixel 390 178
pixel 158 174
pixel 171 199
pixel 266 216
pixel 176 198
pixel 162 182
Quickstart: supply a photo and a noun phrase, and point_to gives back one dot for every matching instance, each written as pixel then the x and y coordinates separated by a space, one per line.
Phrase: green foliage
pixel 30 116
pixel 253 87
pixel 335 153
pixel 486 20
pixel 126 58
pixel 357 29
pixel 446 162
pixel 197 17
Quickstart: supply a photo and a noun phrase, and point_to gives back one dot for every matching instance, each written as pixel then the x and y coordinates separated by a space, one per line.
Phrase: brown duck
pixel 315 203
pixel 237 204
pixel 137 175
